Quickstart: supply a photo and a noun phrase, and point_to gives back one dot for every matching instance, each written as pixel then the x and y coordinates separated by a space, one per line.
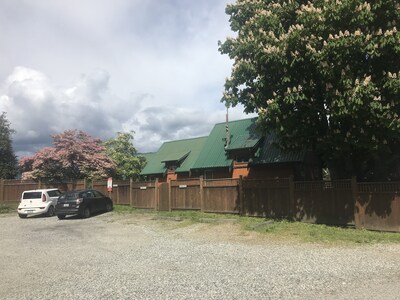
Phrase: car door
pixel 101 201
pixel 91 201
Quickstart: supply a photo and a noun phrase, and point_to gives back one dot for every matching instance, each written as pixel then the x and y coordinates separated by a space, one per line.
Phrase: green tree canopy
pixel 8 160
pixel 124 154
pixel 323 73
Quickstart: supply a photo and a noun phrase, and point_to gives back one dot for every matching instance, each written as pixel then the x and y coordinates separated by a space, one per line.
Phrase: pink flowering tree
pixel 75 155
pixel 325 74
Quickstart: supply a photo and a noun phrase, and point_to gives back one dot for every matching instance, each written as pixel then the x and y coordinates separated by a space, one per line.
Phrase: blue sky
pixel 106 66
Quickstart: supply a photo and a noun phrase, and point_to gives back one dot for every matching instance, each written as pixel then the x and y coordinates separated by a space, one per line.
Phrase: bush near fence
pixel 345 202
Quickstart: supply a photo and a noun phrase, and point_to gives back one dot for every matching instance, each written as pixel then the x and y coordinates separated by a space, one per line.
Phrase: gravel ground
pixel 110 256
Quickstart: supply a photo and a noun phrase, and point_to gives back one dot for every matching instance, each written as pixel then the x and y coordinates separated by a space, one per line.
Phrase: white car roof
pixel 41 190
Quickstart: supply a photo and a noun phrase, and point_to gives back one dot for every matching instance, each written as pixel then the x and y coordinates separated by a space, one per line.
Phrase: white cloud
pixel 107 66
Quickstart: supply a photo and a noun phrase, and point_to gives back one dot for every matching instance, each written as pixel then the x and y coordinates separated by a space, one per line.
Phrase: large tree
pixel 124 154
pixel 323 73
pixel 8 160
pixel 75 155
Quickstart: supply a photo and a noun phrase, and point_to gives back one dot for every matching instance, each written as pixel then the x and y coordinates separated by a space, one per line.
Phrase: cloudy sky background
pixel 106 66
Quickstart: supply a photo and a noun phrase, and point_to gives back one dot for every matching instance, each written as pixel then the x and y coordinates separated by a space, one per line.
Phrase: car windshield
pixel 54 193
pixel 32 195
pixel 70 196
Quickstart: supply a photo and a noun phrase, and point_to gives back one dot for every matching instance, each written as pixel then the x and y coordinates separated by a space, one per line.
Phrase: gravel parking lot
pixel 113 256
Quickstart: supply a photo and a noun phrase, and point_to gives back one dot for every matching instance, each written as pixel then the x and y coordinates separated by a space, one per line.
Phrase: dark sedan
pixel 83 203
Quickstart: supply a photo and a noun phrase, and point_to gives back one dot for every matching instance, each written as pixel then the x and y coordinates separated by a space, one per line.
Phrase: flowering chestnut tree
pixel 322 73
pixel 75 155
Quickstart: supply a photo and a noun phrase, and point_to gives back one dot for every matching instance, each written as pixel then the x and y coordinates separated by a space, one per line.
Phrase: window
pixel 32 195
pixel 54 193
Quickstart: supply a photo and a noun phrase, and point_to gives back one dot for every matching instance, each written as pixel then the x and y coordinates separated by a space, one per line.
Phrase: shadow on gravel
pixel 78 217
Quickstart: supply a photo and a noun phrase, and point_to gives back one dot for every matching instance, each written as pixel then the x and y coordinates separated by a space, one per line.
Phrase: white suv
pixel 37 202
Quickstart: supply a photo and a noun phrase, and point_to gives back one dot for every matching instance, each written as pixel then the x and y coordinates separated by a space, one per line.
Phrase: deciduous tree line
pixel 74 155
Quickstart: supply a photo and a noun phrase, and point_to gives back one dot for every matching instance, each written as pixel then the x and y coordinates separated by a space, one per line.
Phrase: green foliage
pixel 10 207
pixel 124 154
pixel 324 74
pixel 8 160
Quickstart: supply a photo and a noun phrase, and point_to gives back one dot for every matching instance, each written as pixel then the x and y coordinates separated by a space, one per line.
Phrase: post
pixel 1 190
pixel 359 211
pixel 201 181
pixel 39 184
pixel 293 211
pixel 84 183
pixel 156 196
pixel 241 196
pixel 130 191
pixel 169 196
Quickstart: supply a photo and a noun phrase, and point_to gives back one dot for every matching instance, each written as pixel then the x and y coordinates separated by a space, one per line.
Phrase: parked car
pixel 83 203
pixel 38 202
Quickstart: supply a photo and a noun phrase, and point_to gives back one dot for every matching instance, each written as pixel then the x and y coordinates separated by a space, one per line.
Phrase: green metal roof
pixel 242 134
pixel 186 150
pixel 243 141
pixel 270 153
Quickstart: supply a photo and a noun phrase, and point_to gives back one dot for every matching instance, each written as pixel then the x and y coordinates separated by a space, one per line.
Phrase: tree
pixel 75 155
pixel 8 160
pixel 124 154
pixel 324 74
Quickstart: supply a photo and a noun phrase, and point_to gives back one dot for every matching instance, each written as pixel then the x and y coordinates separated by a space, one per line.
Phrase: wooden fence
pixel 346 202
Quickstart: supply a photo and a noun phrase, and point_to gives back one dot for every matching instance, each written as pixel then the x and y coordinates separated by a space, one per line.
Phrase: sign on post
pixel 109 184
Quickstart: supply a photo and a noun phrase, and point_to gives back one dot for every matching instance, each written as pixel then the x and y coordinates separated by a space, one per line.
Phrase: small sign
pixel 109 184
pixel 143 187
pixel 182 186
pixel 115 185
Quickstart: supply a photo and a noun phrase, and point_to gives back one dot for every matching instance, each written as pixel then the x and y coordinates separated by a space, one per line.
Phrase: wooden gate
pixel 164 196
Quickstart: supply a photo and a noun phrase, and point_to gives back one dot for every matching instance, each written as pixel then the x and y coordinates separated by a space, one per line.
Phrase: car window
pixel 54 193
pixel 32 195
pixel 98 194
pixel 89 194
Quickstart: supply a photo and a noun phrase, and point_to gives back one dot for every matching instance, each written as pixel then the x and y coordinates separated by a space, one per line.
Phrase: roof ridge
pixel 199 137
pixel 234 121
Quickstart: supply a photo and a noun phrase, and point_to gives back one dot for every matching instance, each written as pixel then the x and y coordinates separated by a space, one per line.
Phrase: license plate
pixel 29 211
pixel 66 205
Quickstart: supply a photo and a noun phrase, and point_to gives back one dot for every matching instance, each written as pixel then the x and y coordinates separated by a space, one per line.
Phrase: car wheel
pixel 86 212
pixel 109 207
pixel 22 216
pixel 60 217
pixel 50 211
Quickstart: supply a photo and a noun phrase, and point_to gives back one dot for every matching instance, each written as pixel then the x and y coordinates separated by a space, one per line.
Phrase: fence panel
pixel 144 195
pixel 12 189
pixel 327 202
pixel 268 198
pixel 221 196
pixel 185 194
pixel 378 206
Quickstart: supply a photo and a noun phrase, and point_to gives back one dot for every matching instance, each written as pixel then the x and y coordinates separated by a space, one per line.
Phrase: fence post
pixel 130 191
pixel 84 183
pixel 358 211
pixel 156 196
pixel 201 181
pixel 39 184
pixel 1 190
pixel 241 196
pixel 169 195
pixel 292 212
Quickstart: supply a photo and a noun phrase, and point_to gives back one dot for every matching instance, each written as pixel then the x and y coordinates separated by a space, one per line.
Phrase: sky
pixel 100 66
